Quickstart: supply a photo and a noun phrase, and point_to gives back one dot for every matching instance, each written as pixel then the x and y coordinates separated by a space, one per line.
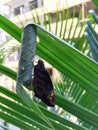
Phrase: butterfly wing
pixel 42 83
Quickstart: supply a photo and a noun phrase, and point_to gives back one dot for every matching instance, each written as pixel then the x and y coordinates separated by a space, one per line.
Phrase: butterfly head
pixel 41 63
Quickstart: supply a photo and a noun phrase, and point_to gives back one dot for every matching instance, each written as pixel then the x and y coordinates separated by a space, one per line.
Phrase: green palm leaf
pixel 70 62
pixel 29 115
pixel 55 53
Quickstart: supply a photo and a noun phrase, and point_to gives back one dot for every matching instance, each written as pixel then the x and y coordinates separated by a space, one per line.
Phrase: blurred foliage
pixel 71 97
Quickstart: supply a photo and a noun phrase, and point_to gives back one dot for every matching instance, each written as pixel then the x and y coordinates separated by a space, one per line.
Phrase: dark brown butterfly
pixel 42 84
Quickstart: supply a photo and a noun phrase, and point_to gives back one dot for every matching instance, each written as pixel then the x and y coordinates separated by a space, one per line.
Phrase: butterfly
pixel 43 87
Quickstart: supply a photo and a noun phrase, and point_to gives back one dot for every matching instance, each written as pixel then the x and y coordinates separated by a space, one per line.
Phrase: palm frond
pixel 92 37
pixel 56 57
pixel 69 29
pixel 81 70
pixel 30 116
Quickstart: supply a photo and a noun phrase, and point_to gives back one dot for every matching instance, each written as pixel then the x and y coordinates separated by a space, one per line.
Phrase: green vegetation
pixel 76 93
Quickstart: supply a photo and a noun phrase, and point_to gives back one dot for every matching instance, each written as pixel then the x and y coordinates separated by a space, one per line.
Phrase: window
pixel 40 3
pixel 77 14
pixel 33 4
pixel 19 10
pixel 53 17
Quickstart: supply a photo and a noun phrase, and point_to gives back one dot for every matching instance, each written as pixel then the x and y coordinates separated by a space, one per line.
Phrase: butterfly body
pixel 42 84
